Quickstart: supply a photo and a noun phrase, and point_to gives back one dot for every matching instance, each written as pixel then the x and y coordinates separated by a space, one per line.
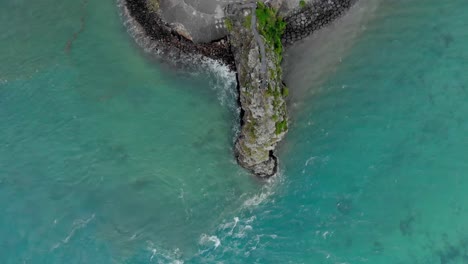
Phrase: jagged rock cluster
pixel 305 20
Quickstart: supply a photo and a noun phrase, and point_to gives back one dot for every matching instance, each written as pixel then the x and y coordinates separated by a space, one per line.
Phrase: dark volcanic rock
pixel 305 20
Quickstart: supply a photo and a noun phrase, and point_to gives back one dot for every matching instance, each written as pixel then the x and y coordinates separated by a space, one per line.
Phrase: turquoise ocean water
pixel 109 156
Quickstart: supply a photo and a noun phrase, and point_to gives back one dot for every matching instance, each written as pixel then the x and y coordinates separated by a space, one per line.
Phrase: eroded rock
pixel 264 117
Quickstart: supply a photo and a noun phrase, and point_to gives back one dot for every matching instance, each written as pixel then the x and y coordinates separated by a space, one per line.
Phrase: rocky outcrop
pixel 253 48
pixel 261 90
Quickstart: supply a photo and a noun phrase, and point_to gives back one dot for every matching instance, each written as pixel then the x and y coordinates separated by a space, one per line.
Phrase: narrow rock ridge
pixel 237 8
pixel 261 92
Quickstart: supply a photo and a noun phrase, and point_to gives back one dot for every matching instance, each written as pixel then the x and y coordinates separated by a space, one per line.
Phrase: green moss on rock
pixel 271 26
pixel 281 127
pixel 285 91
pixel 302 3
pixel 153 5
pixel 248 21
pixel 228 24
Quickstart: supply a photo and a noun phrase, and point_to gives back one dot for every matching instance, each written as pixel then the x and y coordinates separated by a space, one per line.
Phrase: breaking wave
pixel 161 256
pixel 237 235
pixel 77 225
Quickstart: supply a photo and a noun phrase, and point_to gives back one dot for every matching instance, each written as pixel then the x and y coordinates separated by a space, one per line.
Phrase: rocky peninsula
pixel 249 37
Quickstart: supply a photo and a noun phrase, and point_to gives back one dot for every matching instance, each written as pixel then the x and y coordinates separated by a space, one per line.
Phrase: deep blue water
pixel 109 156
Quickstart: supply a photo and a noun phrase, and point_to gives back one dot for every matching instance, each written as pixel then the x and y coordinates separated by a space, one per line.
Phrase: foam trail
pixel 214 240
pixel 266 192
pixel 77 225
pixel 159 255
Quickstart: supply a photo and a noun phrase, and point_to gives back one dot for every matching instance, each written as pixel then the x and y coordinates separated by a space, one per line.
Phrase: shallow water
pixel 108 156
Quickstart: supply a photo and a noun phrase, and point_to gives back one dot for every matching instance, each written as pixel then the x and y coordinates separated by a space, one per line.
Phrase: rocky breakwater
pixel 311 16
pixel 170 39
pixel 255 31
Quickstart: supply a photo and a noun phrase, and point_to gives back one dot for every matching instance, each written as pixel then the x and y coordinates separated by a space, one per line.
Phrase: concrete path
pixel 203 20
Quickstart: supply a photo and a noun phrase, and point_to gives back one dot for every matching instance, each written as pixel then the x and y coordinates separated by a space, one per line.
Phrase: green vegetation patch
pixel 281 127
pixel 271 26
pixel 249 129
pixel 248 21
pixel 302 3
pixel 228 24
pixel 285 91
pixel 153 5
pixel 272 92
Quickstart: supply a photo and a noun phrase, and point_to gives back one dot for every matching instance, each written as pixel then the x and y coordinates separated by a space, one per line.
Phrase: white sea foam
pixel 234 225
pixel 239 229
pixel 162 256
pixel 256 199
pixel 310 160
pixel 136 30
pixel 77 225
pixel 265 193
pixel 211 241
pixel 224 82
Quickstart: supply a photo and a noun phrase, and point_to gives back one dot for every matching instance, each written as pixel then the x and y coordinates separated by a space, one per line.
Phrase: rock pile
pixel 305 20
pixel 168 39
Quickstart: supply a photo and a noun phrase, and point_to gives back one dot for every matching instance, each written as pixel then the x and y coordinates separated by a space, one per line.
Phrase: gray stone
pixel 264 118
